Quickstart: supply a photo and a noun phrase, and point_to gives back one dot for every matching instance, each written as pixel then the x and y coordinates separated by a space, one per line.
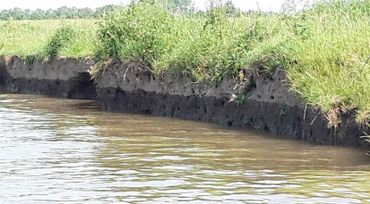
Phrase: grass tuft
pixel 62 38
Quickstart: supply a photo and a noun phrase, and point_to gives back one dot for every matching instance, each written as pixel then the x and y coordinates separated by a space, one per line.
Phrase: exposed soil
pixel 66 78
pixel 263 102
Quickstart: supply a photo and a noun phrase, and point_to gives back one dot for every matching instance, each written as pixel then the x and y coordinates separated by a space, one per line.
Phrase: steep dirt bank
pixel 260 102
pixel 66 78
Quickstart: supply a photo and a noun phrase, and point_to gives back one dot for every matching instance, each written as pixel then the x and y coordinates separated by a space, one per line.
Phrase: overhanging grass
pixel 333 65
pixel 325 49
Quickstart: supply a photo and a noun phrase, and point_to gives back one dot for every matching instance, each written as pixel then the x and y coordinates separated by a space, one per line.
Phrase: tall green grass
pixel 206 46
pixel 332 58
pixel 325 49
pixel 137 32
pixel 32 38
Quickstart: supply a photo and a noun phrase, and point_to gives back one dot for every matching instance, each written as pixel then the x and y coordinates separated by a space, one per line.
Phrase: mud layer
pixel 259 102
pixel 65 78
pixel 262 102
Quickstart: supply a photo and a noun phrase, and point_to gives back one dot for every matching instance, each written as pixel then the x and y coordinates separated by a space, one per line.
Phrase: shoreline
pixel 261 102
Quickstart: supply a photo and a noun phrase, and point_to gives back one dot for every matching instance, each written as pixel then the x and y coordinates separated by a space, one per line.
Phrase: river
pixel 69 151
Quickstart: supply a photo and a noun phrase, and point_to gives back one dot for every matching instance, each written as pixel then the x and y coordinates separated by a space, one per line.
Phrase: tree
pixel 99 12
pixel 85 13
pixel 17 14
pixel 5 15
pixel 231 10
pixel 177 6
pixel 60 13
pixel 38 14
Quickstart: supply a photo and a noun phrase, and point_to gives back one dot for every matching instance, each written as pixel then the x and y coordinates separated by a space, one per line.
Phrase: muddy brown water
pixel 68 151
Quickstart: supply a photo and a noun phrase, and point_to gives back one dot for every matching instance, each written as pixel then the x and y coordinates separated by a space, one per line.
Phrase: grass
pixel 332 66
pixel 32 38
pixel 325 49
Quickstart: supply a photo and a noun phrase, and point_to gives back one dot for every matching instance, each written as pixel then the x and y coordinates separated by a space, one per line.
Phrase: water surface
pixel 68 151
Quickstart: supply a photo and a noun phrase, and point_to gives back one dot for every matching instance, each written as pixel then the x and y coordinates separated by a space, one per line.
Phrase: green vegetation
pixel 62 38
pixel 33 38
pixel 332 56
pixel 325 49
pixel 60 13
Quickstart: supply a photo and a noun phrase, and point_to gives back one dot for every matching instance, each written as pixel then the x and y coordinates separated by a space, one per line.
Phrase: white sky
pixel 266 5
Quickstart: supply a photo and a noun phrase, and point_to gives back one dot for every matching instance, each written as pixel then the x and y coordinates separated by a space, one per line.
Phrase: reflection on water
pixel 54 150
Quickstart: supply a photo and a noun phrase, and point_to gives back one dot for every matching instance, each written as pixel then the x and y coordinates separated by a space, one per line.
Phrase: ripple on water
pixel 57 151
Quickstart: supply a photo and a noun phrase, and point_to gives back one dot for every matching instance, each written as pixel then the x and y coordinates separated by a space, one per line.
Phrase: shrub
pixel 207 47
pixel 136 33
pixel 61 39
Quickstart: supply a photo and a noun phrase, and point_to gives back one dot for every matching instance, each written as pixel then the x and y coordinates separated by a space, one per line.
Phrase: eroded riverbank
pixel 57 150
pixel 260 101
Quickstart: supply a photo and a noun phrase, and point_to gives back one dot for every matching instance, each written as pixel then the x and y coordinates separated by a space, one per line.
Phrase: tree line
pixel 60 13
pixel 175 6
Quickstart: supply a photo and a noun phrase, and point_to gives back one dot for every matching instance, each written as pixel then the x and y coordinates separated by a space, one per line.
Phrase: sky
pixel 265 5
